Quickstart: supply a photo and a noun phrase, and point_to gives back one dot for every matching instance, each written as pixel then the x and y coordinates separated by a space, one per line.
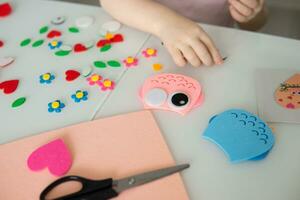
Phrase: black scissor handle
pixel 91 189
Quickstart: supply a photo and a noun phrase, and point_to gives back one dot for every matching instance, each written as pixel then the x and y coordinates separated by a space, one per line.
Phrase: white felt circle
pixel 5 61
pixel 87 71
pixel 84 22
pixel 58 20
pixel 155 97
pixel 66 47
pixel 111 26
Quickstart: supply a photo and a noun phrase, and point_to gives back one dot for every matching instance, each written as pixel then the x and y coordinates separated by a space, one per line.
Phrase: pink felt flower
pixel 130 61
pixel 149 52
pixel 94 79
pixel 107 85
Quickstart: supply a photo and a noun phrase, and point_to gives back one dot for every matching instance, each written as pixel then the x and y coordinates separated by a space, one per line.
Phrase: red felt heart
pixel 1 43
pixel 5 9
pixel 9 87
pixel 102 43
pixel 54 33
pixel 79 48
pixel 71 75
pixel 117 38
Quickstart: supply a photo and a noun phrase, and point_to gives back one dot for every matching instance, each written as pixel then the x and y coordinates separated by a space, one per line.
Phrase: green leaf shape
pixel 38 43
pixel 44 29
pixel 74 30
pixel 99 64
pixel 105 48
pixel 18 102
pixel 25 42
pixel 62 53
pixel 114 63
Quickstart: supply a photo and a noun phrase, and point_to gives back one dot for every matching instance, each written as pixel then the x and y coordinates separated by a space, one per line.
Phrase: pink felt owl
pixel 173 92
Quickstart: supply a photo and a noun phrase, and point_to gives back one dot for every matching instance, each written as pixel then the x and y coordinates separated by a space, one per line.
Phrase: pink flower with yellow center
pixel 149 52
pixel 107 85
pixel 94 79
pixel 130 61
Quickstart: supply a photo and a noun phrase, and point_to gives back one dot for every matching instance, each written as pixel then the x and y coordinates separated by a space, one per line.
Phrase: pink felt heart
pixel 71 75
pixel 79 48
pixel 55 156
pixel 9 87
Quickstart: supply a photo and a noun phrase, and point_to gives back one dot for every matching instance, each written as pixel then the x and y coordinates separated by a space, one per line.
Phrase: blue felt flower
pixel 55 106
pixel 80 96
pixel 54 44
pixel 46 78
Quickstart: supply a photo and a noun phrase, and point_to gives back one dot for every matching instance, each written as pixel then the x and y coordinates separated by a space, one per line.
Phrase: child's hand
pixel 244 11
pixel 186 41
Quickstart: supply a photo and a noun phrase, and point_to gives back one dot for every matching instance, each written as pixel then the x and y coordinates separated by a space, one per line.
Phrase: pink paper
pixel 114 147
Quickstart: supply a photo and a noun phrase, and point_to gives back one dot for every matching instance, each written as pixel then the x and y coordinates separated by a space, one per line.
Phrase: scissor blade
pixel 140 179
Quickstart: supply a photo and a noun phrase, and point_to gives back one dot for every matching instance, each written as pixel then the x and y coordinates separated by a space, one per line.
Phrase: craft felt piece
pixel 6 61
pixel 287 94
pixel 98 151
pixel 54 155
pixel 1 43
pixel 53 34
pixel 115 38
pixel 71 75
pixel 9 86
pixel 241 135
pixel 172 92
pixel 84 22
pixel 18 102
pixel 5 9
pixel 111 26
pixel 79 48
pixel 58 20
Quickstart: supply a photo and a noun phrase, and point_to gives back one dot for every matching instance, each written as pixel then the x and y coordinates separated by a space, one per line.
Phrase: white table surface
pixel 211 176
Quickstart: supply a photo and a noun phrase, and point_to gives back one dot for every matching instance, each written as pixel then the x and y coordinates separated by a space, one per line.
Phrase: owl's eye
pixel 156 97
pixel 178 100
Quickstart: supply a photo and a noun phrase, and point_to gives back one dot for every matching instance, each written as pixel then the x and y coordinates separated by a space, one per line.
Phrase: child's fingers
pixel 251 3
pixel 190 55
pixel 237 15
pixel 243 9
pixel 216 56
pixel 202 52
pixel 177 56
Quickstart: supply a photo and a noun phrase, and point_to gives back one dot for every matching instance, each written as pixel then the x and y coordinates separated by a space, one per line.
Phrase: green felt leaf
pixel 38 43
pixel 105 48
pixel 74 30
pixel 62 53
pixel 44 29
pixel 114 63
pixel 99 64
pixel 18 102
pixel 25 42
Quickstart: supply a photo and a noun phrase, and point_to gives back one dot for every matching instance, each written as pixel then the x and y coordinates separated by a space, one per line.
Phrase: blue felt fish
pixel 241 135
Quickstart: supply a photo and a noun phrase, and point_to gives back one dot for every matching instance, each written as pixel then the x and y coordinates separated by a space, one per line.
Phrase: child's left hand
pixel 244 11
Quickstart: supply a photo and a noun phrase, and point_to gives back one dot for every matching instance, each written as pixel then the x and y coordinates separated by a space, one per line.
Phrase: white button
pixel 155 97
pixel 58 20
pixel 84 22
pixel 111 26
pixel 5 61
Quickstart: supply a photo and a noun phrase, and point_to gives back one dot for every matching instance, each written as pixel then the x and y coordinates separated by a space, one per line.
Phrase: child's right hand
pixel 186 41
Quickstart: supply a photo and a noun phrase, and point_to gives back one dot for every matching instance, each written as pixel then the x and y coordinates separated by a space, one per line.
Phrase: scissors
pixel 108 188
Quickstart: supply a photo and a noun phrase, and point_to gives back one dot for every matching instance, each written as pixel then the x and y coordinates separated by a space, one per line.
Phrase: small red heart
pixel 5 9
pixel 1 43
pixel 102 43
pixel 71 75
pixel 9 87
pixel 54 33
pixel 79 48
pixel 117 38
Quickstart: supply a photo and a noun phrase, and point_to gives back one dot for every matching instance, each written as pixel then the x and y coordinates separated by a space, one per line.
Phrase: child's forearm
pixel 145 15
pixel 256 23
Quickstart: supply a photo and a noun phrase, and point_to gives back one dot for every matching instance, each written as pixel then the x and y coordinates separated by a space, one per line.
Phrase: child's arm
pixel 250 14
pixel 184 39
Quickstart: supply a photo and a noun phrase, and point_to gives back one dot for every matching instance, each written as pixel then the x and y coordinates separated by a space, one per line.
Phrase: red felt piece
pixel 54 33
pixel 79 47
pixel 5 9
pixel 102 43
pixel 9 87
pixel 71 75
pixel 1 43
pixel 117 38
